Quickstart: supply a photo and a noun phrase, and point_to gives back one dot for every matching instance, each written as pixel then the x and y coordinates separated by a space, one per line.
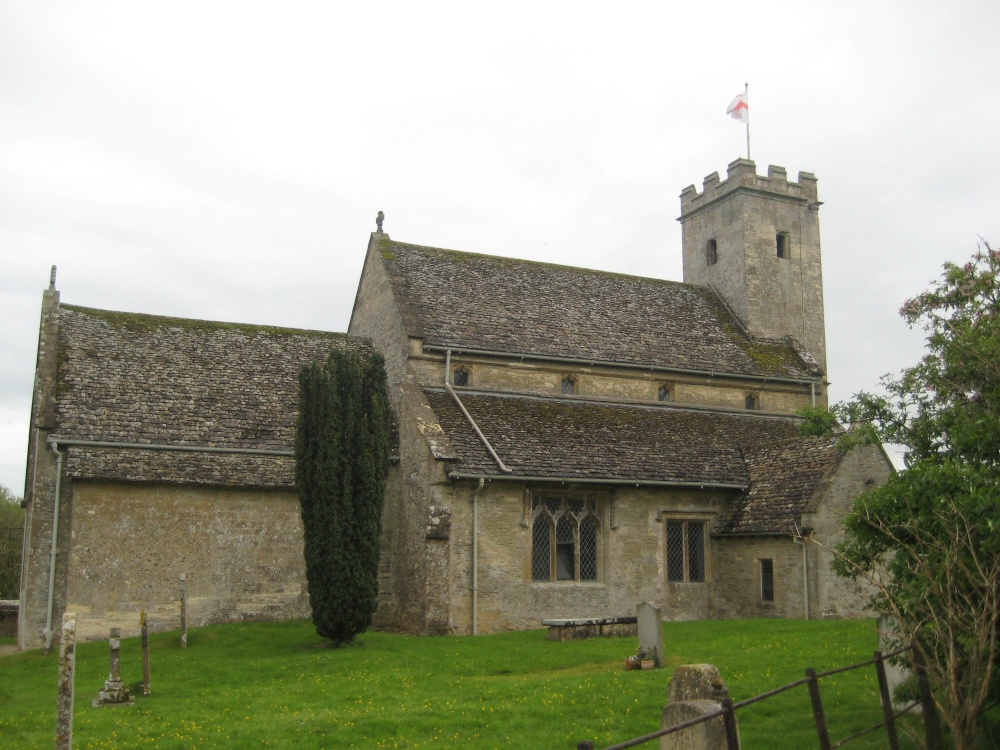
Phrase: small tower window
pixel 712 252
pixel 752 401
pixel 783 244
pixel 666 393
pixel 568 385
pixel 462 376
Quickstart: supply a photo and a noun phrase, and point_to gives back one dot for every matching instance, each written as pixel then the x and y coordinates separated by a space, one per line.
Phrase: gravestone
pixel 115 692
pixel 184 622
pixel 888 641
pixel 651 632
pixel 145 654
pixel 67 669
pixel 695 690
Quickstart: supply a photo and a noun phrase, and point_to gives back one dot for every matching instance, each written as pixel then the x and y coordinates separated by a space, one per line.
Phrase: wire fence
pixel 727 709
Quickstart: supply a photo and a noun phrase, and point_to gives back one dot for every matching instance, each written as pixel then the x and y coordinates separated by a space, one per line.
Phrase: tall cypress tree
pixel 341 458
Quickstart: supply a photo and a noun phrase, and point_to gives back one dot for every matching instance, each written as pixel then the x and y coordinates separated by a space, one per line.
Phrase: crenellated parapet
pixel 741 175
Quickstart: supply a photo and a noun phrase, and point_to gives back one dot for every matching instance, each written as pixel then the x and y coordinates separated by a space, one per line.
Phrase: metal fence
pixel 727 709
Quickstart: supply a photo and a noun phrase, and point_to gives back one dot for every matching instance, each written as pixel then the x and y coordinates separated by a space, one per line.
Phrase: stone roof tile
pixel 571 439
pixel 132 378
pixel 469 301
pixel 785 479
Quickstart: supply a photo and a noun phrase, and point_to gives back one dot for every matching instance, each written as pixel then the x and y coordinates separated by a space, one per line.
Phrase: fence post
pixel 729 722
pixel 883 689
pixel 817 706
pixel 933 737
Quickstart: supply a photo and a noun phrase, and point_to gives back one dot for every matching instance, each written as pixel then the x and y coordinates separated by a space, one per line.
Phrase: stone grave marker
pixel 115 692
pixel 650 625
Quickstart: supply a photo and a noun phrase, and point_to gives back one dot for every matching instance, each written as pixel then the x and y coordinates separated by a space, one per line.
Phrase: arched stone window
pixel 783 244
pixel 461 376
pixel 665 393
pixel 565 536
pixel 712 252
pixel 752 401
pixel 568 385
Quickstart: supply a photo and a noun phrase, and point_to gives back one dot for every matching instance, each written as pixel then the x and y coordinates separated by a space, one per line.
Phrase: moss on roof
pixel 144 323
pixel 474 301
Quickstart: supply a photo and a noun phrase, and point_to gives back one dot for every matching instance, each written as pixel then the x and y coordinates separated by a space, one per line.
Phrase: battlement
pixel 742 176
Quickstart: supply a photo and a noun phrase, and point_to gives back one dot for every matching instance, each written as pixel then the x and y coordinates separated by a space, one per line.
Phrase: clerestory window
pixel 461 376
pixel 568 385
pixel 752 401
pixel 686 551
pixel 665 393
pixel 565 532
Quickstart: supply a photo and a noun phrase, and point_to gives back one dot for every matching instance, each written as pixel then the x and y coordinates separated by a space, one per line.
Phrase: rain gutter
pixel 585 480
pixel 167 447
pixel 448 350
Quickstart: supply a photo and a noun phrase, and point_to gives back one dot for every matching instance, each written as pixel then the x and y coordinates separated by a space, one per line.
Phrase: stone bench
pixel 571 628
pixel 8 618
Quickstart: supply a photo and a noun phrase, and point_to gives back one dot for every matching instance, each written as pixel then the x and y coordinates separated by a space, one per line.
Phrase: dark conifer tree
pixel 341 458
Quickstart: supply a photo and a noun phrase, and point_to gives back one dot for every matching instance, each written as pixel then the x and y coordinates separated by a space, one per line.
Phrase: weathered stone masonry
pixel 570 442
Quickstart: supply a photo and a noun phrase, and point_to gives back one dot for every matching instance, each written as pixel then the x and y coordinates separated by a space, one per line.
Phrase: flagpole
pixel 746 98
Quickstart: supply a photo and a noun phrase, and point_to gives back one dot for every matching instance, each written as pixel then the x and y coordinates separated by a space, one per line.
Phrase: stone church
pixel 570 442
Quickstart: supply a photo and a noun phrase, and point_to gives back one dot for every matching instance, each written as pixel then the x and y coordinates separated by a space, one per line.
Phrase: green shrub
pixel 341 458
pixel 11 536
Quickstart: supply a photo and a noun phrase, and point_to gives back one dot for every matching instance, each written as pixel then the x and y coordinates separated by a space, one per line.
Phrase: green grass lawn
pixel 279 685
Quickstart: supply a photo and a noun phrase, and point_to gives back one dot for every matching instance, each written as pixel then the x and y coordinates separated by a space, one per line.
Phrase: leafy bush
pixel 11 536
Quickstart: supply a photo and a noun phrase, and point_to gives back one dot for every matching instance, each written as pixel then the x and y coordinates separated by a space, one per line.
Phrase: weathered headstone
pixel 888 641
pixel 184 625
pixel 651 632
pixel 67 669
pixel 696 682
pixel 115 692
pixel 695 690
pixel 145 654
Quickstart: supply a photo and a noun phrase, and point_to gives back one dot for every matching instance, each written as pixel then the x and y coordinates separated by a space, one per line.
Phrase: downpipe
pixel 475 556
pixel 802 539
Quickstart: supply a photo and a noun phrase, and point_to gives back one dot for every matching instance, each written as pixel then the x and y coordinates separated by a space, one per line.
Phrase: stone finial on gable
pixel 378 222
pixel 52 279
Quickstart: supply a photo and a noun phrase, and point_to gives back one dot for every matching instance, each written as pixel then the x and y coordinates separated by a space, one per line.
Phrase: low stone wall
pixel 8 618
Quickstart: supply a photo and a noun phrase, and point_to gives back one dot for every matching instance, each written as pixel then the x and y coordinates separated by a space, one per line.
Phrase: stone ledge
pixel 573 628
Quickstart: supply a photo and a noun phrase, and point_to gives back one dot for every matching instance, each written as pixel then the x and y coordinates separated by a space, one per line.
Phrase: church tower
pixel 755 241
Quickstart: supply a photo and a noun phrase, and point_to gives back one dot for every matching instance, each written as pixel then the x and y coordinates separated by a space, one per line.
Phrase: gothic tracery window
pixel 565 533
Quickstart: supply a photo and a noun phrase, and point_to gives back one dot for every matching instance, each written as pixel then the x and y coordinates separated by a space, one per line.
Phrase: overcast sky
pixel 225 160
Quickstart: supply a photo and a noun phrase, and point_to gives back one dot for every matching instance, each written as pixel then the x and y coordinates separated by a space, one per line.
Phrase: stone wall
pixel 739 581
pixel 415 563
pixel 39 492
pixel 241 549
pixel 375 317
pixel 631 560
pixel 613 384
pixel 774 297
pixel 863 468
